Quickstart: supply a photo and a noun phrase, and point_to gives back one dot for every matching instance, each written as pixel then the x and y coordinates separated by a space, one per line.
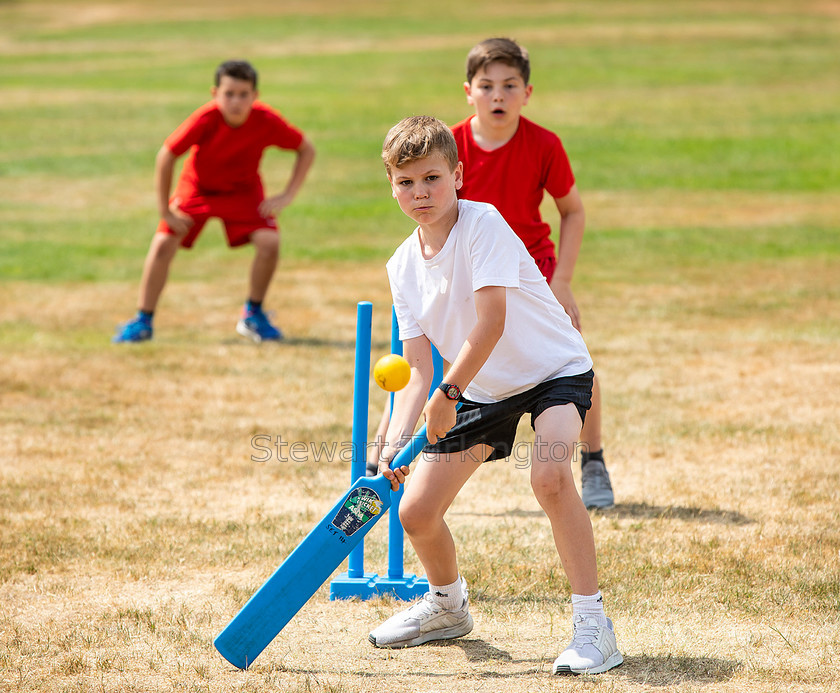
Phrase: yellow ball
pixel 392 372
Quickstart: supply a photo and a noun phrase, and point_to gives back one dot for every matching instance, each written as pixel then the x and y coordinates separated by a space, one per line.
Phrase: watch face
pixel 452 392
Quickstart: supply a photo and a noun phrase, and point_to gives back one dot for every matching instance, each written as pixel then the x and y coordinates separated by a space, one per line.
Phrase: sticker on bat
pixel 361 505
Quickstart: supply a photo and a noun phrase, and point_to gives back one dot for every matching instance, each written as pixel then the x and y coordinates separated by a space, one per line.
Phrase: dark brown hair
pixel 237 69
pixel 502 50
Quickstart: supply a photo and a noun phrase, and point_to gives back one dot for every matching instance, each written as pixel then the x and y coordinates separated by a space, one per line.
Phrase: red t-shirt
pixel 514 177
pixel 225 159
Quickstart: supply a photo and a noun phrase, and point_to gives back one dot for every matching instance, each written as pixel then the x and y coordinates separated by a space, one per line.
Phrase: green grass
pixel 647 97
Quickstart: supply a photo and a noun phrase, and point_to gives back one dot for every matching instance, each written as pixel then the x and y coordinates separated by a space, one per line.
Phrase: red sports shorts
pixel 238 213
pixel 547 265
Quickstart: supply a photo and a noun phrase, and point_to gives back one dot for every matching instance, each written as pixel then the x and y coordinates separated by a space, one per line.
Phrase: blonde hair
pixel 415 138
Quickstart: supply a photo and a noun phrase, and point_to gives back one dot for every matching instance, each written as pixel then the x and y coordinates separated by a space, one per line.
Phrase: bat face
pixel 304 571
pixel 310 564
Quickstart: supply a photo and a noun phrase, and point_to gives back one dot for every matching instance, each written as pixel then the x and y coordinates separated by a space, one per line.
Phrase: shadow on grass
pixel 652 670
pixel 639 511
pixel 658 671
pixel 666 670
pixel 477 650
pixel 292 342
pixel 309 342
pixel 646 511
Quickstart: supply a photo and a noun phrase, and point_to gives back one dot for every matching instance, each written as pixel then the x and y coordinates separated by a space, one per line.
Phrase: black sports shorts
pixel 495 424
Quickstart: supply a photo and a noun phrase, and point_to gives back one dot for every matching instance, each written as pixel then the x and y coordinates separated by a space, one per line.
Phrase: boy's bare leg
pixel 375 447
pixel 156 269
pixel 557 430
pixel 590 435
pixel 443 613
pixel 267 249
pixel 435 482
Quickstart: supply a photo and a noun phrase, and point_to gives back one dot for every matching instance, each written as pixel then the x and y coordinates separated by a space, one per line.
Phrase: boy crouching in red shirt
pixel 225 139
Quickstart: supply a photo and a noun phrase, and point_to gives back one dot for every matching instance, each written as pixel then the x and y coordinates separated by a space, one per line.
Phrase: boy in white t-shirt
pixel 464 282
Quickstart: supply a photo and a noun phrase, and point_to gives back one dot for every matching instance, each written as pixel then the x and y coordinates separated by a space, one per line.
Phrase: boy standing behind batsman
pixel 511 162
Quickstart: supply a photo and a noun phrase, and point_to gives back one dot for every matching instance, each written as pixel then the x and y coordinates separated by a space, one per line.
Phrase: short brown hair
pixel 236 69
pixel 418 137
pixel 502 50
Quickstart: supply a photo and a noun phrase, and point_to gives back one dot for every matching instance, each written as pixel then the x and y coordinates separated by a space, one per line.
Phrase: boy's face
pixel 234 97
pixel 498 93
pixel 426 191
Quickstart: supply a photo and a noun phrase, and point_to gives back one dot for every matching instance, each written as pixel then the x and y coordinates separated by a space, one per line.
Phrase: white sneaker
pixel 423 621
pixel 593 649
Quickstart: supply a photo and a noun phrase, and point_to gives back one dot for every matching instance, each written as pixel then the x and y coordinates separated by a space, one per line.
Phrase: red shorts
pixel 238 212
pixel 547 265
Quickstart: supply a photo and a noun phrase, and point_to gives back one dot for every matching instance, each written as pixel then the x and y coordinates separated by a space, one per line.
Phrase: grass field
pixel 133 521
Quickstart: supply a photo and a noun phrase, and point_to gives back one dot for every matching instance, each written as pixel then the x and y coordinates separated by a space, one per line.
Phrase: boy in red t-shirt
pixel 511 162
pixel 226 139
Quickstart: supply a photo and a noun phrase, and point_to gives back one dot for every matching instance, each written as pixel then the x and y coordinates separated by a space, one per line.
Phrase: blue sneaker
pixel 255 325
pixel 137 330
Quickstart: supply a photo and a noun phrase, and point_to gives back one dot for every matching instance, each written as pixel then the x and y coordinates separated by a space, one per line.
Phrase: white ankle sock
pixel 449 596
pixel 591 605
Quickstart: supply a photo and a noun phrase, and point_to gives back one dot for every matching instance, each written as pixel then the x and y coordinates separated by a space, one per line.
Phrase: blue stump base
pixel 371 585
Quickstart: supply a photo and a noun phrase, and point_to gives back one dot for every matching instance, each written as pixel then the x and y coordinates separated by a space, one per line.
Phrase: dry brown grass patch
pixel 135 522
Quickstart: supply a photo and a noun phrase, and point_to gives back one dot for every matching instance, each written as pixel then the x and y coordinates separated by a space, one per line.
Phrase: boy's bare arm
pixel 572 223
pixel 408 403
pixel 490 306
pixel 305 155
pixel 164 166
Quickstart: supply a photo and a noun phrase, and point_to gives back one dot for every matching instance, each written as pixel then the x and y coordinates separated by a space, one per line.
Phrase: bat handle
pixel 406 456
pixel 418 441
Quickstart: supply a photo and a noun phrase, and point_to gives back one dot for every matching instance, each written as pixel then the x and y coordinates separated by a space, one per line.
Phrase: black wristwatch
pixel 452 392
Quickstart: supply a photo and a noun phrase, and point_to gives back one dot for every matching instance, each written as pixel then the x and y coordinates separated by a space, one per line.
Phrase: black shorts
pixel 495 424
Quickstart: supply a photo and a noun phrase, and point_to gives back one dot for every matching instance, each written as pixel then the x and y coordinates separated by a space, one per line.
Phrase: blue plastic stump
pixel 356 583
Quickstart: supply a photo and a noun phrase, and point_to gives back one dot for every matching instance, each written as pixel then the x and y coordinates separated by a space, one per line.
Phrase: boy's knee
pixel 543 488
pixel 414 517
pixel 266 242
pixel 551 480
pixel 165 245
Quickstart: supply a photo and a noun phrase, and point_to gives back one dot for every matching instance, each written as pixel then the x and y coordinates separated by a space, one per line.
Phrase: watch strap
pixel 450 391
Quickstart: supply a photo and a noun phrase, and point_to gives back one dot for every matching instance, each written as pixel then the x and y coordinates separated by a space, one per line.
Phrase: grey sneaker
pixel 596 489
pixel 423 621
pixel 593 649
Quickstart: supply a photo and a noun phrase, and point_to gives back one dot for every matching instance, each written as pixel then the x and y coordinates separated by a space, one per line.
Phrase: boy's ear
pixel 468 92
pixel 529 89
pixel 459 176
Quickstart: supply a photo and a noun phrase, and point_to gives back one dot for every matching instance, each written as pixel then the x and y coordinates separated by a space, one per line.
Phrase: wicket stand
pixel 356 583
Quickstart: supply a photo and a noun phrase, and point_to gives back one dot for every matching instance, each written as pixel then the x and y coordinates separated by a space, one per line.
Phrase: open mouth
pixel 498 111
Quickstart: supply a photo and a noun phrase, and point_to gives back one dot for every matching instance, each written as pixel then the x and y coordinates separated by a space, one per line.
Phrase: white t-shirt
pixel 436 298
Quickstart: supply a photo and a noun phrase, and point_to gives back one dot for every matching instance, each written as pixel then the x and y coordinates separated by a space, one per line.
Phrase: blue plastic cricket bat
pixel 310 564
